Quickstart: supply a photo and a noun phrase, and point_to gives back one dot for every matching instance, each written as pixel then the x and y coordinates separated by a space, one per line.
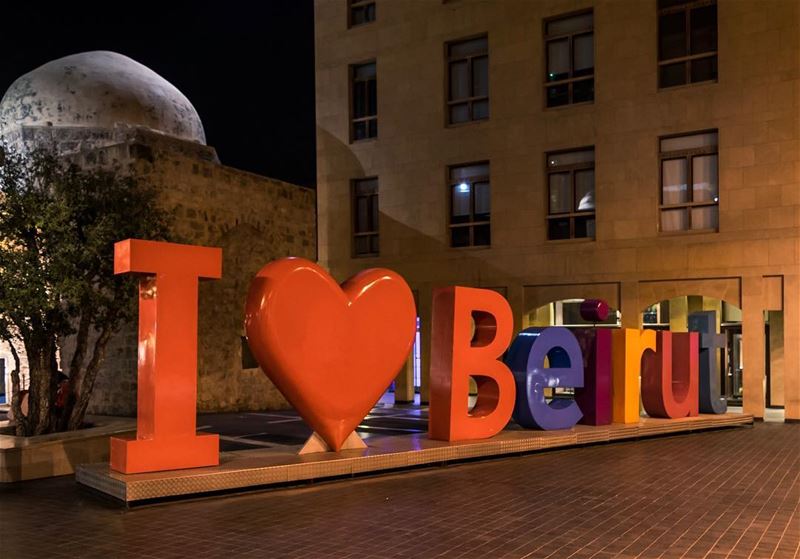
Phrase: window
pixel 570 184
pixel 360 12
pixel 687 42
pixel 468 80
pixel 470 205
pixel 689 188
pixel 364 93
pixel 365 217
pixel 569 48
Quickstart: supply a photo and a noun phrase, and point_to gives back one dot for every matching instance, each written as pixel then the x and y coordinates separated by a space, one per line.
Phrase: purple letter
pixel 526 358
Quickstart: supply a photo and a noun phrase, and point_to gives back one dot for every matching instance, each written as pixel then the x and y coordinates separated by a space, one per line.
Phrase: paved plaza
pixel 729 493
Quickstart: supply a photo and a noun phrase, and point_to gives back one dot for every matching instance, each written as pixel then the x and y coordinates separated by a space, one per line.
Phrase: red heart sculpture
pixel 331 350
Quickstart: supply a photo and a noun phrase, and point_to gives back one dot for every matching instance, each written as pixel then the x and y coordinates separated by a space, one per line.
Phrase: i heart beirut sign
pixel 333 350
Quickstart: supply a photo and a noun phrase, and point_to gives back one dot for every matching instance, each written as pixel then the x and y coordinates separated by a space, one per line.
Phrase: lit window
pixel 364 110
pixel 571 203
pixel 470 205
pixel 689 186
pixel 569 48
pixel 468 80
pixel 365 217
pixel 687 42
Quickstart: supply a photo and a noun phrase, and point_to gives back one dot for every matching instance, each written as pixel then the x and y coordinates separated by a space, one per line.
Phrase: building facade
pixel 643 152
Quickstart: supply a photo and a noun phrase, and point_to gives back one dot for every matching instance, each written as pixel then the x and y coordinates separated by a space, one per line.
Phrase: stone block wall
pixel 254 220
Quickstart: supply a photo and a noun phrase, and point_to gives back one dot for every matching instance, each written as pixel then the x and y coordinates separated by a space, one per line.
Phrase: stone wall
pixel 254 220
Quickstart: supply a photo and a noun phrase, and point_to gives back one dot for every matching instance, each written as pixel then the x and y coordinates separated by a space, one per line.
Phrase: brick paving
pixel 732 493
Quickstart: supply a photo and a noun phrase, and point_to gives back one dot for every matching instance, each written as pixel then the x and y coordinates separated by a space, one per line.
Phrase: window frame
pixel 351 73
pixel 448 61
pixel 687 155
pixel 354 233
pixel 471 224
pixel 573 213
pixel 359 4
pixel 571 37
pixel 688 58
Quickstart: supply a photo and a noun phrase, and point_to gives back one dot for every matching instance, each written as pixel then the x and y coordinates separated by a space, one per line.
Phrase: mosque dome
pixel 99 89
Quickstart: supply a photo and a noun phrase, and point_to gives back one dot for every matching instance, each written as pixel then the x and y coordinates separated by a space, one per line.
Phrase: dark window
pixel 360 12
pixel 364 93
pixel 470 205
pixel 365 217
pixel 687 42
pixel 570 185
pixel 689 186
pixel 569 52
pixel 468 80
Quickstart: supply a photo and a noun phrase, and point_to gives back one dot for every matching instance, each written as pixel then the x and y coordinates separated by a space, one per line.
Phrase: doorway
pixel 732 366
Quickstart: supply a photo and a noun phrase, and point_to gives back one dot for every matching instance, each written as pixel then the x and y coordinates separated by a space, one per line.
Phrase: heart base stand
pixel 315 443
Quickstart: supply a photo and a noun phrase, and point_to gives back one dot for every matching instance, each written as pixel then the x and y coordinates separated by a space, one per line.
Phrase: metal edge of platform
pixel 260 469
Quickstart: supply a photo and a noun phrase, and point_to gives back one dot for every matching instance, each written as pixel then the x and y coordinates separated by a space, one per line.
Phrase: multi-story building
pixel 646 152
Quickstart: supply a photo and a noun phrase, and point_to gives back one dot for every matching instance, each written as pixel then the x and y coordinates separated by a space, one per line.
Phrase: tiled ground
pixel 732 493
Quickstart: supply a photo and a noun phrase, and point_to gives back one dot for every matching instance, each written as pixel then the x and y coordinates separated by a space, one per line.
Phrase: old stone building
pixel 102 108
pixel 642 151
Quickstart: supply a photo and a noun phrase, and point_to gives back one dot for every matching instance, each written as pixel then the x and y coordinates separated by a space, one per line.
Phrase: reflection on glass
pixel 559 193
pixel 482 198
pixel 461 196
pixel 674 220
pixel 673 182
pixel 704 178
pixel 480 77
pixel 459 80
pixel 558 60
pixel 583 54
pixel 584 190
pixel 705 217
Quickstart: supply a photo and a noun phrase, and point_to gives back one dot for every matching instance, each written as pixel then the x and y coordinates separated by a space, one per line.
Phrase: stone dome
pixel 99 89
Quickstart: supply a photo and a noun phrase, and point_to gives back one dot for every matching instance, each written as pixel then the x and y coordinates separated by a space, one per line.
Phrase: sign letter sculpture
pixel 526 357
pixel 331 350
pixel 457 354
pixel 166 437
pixel 669 378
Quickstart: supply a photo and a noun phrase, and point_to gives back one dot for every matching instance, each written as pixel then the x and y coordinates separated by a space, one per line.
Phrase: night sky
pixel 246 66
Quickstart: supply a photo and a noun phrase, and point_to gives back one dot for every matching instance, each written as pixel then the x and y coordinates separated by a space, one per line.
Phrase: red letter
pixel 166 437
pixel 456 355
pixel 670 377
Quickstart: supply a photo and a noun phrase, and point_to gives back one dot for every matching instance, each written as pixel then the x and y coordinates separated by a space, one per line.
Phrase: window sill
pixel 467 123
pixel 685 232
pixel 471 247
pixel 569 105
pixel 360 25
pixel 572 241
pixel 364 141
pixel 687 85
pixel 363 256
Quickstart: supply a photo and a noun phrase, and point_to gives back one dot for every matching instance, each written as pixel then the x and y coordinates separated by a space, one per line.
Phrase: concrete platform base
pixel 24 458
pixel 249 469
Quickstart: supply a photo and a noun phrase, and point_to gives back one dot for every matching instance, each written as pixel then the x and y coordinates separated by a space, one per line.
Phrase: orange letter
pixel 167 393
pixel 629 345
pixel 456 355
pixel 670 377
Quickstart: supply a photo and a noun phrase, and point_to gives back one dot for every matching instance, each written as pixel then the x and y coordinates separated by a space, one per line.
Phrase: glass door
pixel 734 387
